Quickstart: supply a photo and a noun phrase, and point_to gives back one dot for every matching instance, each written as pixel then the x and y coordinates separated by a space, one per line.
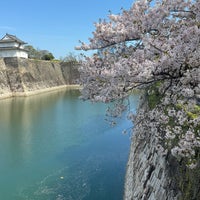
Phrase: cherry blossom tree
pixel 153 46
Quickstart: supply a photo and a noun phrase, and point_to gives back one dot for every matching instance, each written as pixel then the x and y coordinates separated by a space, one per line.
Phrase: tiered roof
pixel 11 38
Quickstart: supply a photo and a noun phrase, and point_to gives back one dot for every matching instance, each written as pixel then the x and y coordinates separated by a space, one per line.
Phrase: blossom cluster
pixel 155 46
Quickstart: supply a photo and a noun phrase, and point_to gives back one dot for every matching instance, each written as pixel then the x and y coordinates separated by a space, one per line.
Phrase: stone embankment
pixel 23 77
pixel 148 172
pixel 154 175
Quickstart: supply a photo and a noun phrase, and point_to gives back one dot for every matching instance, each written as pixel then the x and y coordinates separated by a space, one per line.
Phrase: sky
pixel 56 26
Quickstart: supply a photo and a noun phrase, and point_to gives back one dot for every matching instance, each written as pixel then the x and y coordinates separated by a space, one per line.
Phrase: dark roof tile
pixel 12 38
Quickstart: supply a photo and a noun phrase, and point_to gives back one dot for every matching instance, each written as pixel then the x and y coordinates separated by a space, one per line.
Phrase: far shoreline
pixel 39 91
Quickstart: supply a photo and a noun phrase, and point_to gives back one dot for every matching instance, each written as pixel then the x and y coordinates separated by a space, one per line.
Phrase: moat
pixel 55 146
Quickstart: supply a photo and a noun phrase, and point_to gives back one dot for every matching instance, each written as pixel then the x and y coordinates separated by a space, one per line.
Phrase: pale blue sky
pixel 56 26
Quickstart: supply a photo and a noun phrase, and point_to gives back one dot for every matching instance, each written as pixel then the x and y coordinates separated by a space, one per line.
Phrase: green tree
pixel 32 52
pixel 38 54
pixel 48 56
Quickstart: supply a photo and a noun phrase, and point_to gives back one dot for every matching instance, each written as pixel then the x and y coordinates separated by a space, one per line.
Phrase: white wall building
pixel 11 46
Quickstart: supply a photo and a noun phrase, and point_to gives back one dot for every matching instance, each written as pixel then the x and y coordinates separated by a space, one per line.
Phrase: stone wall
pixel 19 76
pixel 147 176
pixel 70 72
pixel 5 88
pixel 152 175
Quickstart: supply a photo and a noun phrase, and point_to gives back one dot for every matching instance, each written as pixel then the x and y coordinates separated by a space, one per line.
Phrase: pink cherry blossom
pixel 153 46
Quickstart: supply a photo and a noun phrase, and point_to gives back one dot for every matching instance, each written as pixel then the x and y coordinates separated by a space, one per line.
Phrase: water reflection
pixel 25 110
pixel 20 116
pixel 54 135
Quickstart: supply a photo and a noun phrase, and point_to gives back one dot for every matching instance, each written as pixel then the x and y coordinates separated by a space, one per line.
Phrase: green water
pixel 57 147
